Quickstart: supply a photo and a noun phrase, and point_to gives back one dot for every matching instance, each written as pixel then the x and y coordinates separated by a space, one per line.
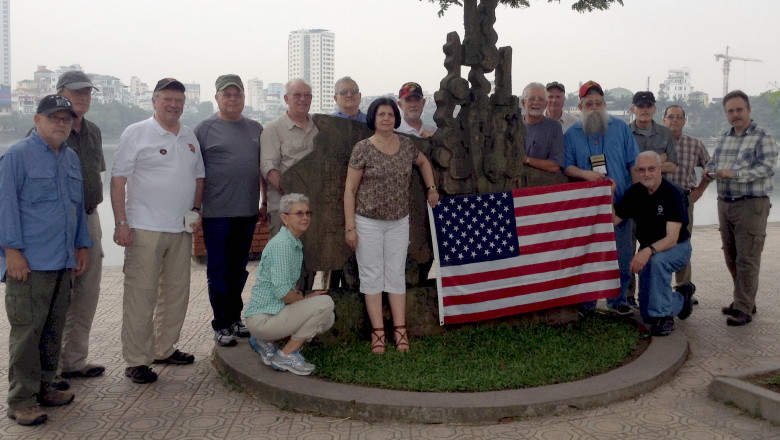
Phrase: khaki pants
pixel 683 276
pixel 301 321
pixel 36 311
pixel 83 304
pixel 743 231
pixel 157 291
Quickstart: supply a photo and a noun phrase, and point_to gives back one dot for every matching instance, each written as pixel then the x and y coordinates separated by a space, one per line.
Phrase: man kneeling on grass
pixel 277 310
pixel 660 211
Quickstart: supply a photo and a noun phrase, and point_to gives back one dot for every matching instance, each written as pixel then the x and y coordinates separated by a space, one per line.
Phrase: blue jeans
pixel 227 240
pixel 625 252
pixel 656 297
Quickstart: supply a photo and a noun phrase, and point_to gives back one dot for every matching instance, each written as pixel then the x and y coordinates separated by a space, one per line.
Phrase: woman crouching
pixel 277 310
pixel 376 216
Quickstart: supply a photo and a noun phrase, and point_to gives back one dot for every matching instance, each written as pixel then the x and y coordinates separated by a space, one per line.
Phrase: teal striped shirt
pixel 279 270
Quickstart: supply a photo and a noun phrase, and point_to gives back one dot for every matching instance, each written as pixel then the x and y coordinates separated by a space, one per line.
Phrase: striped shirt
pixel 691 154
pixel 277 273
pixel 751 157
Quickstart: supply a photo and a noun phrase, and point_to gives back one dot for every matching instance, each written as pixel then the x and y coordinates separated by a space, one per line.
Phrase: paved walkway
pixel 191 402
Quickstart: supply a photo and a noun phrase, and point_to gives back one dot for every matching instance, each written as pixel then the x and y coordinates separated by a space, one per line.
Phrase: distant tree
pixel 578 5
pixel 113 118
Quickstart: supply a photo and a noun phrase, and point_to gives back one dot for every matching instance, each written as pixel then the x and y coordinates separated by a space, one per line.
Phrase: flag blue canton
pixel 475 229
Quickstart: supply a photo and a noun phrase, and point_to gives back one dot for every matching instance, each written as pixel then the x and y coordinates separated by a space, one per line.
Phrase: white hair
pixel 288 200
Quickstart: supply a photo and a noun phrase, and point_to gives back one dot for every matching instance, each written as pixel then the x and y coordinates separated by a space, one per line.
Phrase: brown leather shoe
pixel 52 397
pixel 731 311
pixel 177 358
pixel 33 415
pixel 739 319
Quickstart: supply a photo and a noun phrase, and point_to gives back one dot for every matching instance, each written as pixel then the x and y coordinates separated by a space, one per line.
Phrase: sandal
pixel 378 346
pixel 401 338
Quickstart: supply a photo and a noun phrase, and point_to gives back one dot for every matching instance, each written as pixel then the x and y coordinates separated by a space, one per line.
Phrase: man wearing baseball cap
pixel 412 103
pixel 43 244
pixel 556 98
pixel 599 147
pixel 230 145
pixel 86 140
pixel 156 184
pixel 652 136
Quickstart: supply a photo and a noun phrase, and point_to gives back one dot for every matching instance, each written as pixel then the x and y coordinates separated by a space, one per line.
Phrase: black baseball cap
pixel 169 83
pixel 643 98
pixel 53 103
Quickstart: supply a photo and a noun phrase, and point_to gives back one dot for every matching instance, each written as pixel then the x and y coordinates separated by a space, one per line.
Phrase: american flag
pixel 523 250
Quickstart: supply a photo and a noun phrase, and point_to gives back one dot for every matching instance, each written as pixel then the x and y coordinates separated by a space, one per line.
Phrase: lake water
pixel 706 210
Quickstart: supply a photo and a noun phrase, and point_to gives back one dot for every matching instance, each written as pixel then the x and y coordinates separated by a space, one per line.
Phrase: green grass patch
pixel 484 358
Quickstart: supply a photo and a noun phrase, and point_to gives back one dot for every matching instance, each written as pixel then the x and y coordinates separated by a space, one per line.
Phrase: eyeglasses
pixel 237 95
pixel 593 104
pixel 301 214
pixel 646 170
pixel 86 91
pixel 346 92
pixel 60 119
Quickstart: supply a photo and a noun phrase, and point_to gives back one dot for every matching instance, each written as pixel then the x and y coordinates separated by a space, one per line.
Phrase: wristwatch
pixel 653 251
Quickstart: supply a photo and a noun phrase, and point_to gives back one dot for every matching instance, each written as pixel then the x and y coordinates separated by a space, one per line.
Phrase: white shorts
pixel 381 254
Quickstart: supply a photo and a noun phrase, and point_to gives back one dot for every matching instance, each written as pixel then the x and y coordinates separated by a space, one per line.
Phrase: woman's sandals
pixel 401 338
pixel 378 340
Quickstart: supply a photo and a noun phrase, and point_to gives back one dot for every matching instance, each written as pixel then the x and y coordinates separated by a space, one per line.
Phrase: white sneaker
pixel 265 349
pixel 294 363
pixel 224 337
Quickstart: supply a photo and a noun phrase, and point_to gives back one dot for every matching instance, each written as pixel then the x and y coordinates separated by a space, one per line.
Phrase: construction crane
pixel 727 66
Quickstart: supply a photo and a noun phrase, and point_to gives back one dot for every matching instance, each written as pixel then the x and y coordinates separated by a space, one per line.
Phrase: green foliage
pixel 484 358
pixel 579 5
pixel 113 118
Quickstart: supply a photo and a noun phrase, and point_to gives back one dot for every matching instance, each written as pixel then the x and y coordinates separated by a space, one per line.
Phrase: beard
pixel 595 122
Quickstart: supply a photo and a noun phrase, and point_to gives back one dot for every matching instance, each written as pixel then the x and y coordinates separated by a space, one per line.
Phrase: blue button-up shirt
pixel 617 145
pixel 42 205
pixel 360 117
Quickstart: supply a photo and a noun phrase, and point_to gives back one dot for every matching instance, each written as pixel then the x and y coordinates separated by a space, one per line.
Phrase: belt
pixel 91 211
pixel 737 199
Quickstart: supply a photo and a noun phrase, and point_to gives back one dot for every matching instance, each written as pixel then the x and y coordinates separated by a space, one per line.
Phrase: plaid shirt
pixel 690 154
pixel 279 270
pixel 752 158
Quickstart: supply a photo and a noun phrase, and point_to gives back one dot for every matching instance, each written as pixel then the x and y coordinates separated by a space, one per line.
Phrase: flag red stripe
pixel 549 189
pixel 568 243
pixel 528 289
pixel 562 205
pixel 525 308
pixel 528 269
pixel 563 225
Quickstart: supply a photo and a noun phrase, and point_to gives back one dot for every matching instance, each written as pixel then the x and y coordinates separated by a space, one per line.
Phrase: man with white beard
pixel 543 135
pixel 599 147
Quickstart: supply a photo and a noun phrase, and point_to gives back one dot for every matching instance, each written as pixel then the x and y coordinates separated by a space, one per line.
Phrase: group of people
pixel 653 172
pixel 225 177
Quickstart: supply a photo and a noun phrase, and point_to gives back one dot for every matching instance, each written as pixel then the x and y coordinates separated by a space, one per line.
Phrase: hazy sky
pixel 384 43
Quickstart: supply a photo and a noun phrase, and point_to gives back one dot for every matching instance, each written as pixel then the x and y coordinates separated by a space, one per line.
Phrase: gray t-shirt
pixel 544 140
pixel 231 155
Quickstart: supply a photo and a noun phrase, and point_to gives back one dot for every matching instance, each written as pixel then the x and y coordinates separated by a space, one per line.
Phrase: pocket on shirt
pixel 75 184
pixel 41 186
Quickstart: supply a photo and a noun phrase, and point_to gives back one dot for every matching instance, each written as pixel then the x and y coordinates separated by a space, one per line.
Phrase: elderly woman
pixel 277 310
pixel 376 215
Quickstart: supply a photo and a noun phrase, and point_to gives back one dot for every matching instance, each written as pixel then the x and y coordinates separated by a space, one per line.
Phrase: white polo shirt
pixel 161 169
pixel 408 129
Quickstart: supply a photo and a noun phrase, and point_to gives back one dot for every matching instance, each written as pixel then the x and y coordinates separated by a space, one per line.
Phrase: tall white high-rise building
pixel 677 85
pixel 310 54
pixel 255 93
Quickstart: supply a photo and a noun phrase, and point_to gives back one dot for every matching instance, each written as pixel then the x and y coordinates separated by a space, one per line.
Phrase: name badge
pixel 599 163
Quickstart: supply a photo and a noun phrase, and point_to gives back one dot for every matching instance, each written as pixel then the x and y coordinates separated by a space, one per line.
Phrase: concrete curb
pixel 655 366
pixel 760 402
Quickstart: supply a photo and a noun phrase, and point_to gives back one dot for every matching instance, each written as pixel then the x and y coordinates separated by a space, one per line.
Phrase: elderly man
pixel 286 140
pixel 86 140
pixel 347 99
pixel 648 134
pixel 691 154
pixel 43 244
pixel 659 209
pixel 156 184
pixel 556 98
pixel 230 145
pixel 743 164
pixel 598 147
pixel 543 136
pixel 412 103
